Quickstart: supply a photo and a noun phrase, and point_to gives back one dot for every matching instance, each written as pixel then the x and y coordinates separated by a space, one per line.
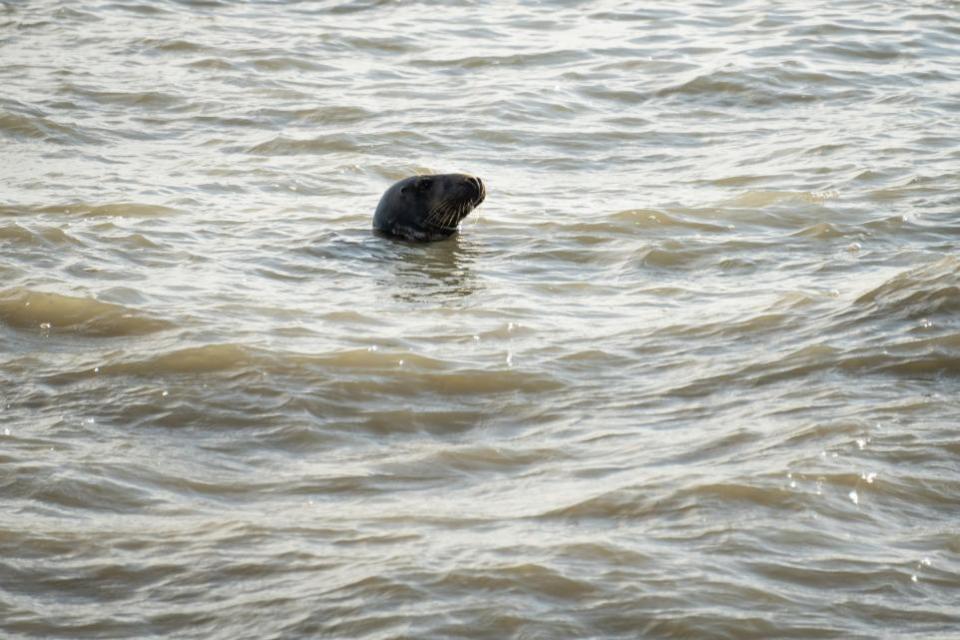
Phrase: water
pixel 690 371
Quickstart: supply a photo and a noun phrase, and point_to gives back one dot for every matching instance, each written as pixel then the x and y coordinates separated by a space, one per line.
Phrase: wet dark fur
pixel 427 208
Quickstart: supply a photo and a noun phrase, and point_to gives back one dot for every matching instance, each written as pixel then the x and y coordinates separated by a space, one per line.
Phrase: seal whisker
pixel 448 216
pixel 432 215
pixel 451 211
pixel 463 211
pixel 443 213
pixel 451 219
pixel 437 212
pixel 454 216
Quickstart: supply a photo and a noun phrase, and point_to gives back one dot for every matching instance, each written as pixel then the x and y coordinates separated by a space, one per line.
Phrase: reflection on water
pixel 689 372
pixel 439 273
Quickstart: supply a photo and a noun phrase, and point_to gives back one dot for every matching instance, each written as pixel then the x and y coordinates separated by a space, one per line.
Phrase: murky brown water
pixel 691 371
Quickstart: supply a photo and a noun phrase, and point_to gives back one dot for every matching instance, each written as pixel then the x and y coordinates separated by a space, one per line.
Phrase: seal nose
pixel 478 185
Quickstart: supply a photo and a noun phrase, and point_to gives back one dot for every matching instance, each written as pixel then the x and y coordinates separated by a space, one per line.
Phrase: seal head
pixel 427 208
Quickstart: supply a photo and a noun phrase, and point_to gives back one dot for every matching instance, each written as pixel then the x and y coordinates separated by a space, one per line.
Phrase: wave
pixel 39 127
pixel 920 292
pixel 41 235
pixel 350 373
pixel 89 210
pixel 630 221
pixel 58 313
pixel 759 87
pixel 284 146
pixel 905 358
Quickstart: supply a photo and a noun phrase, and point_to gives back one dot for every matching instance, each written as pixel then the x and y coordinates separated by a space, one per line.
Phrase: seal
pixel 427 208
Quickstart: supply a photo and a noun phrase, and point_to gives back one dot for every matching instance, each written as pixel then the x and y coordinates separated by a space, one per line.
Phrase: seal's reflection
pixel 433 272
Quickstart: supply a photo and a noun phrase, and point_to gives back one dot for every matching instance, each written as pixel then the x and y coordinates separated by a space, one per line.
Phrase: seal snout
pixel 477 184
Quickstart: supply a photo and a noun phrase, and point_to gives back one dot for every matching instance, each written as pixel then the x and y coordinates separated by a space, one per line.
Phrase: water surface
pixel 690 371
